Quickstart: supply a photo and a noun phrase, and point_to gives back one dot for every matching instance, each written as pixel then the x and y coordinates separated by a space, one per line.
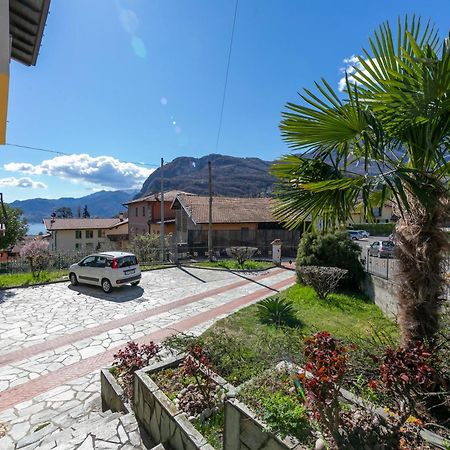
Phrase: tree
pixel 63 212
pixel 387 136
pixel 86 214
pixel 16 227
pixel 147 247
pixel 37 254
pixel 332 250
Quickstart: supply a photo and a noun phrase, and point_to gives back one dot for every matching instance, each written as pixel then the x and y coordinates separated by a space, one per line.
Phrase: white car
pixel 106 269
pixel 363 233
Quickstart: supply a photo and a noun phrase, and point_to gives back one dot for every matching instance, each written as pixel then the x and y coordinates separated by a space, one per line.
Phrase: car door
pixel 87 273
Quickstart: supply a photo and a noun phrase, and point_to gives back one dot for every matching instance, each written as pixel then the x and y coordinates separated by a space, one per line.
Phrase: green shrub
pixel 332 250
pixel 285 415
pixel 277 311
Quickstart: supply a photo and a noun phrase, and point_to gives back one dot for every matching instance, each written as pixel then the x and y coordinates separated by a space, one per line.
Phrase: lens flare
pixel 138 47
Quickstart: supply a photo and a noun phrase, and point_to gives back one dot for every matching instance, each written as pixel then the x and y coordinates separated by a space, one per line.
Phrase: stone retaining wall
pixel 160 417
pixel 113 397
pixel 382 292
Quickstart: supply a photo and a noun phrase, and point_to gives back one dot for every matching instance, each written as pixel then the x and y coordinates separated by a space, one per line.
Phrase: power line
pixel 226 75
pixel 56 152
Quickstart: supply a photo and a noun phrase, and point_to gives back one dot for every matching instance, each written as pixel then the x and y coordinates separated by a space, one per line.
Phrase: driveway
pixel 55 338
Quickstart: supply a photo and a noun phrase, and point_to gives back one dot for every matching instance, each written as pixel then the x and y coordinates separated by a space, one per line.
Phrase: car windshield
pixel 127 261
pixel 387 244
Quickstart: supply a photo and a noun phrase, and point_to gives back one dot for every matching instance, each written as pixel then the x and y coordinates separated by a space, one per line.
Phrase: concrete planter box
pixel 244 431
pixel 113 396
pixel 159 415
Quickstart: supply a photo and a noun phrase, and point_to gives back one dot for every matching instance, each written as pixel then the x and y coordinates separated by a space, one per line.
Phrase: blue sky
pixel 137 80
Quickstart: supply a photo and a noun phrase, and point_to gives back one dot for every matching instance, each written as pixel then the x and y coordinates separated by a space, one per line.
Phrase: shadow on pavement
pixel 6 295
pixel 190 273
pixel 118 295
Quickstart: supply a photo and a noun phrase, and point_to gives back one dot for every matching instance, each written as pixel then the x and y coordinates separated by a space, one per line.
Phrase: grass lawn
pixel 232 264
pixel 26 279
pixel 241 346
pixel 146 268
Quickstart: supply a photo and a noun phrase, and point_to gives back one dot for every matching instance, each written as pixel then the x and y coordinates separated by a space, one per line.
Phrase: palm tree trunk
pixel 421 246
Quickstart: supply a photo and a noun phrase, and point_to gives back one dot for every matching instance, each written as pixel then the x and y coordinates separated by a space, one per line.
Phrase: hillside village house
pixel 144 214
pixel 383 214
pixel 235 221
pixel 87 234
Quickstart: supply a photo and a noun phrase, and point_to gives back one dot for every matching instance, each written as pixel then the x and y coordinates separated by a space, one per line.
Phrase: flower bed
pixel 161 417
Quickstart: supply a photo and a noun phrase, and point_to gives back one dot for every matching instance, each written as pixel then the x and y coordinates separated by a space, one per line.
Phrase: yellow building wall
pixel 385 217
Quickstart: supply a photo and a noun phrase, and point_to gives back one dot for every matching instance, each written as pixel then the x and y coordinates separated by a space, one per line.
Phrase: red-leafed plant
pixel 327 360
pixel 406 373
pixel 131 358
pixel 197 365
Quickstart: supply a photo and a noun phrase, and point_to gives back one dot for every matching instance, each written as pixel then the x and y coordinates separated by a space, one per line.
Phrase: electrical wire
pixel 56 152
pixel 226 75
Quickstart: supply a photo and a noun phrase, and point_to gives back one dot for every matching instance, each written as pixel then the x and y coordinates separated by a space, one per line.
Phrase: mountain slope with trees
pixel 231 176
pixel 99 204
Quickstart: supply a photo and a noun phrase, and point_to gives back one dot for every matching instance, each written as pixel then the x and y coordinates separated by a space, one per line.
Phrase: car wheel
pixel 73 279
pixel 134 283
pixel 106 286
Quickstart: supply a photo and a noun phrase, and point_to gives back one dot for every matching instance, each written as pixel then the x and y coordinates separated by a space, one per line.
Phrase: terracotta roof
pixel 79 224
pixel 169 196
pixel 228 209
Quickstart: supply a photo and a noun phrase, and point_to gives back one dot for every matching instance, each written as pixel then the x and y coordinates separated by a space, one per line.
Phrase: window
pixel 101 233
pixel 78 234
pixel 143 211
pixel 101 261
pixel 89 234
pixel 89 261
pixel 127 261
pixel 136 211
pixel 77 246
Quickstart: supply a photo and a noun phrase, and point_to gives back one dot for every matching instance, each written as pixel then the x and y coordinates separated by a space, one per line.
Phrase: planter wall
pixel 243 431
pixel 113 396
pixel 160 417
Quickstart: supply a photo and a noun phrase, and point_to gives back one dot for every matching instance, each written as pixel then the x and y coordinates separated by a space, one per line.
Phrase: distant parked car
pixel 106 269
pixel 353 235
pixel 363 233
pixel 382 249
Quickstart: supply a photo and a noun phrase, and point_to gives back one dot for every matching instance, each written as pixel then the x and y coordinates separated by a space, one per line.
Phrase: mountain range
pixel 231 176
pixel 99 204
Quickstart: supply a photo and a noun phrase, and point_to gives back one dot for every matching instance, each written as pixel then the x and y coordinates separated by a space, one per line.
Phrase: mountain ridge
pixel 231 176
pixel 100 204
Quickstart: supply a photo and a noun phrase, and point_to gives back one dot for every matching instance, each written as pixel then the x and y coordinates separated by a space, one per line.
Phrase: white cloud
pixel 352 64
pixel 22 183
pixel 104 171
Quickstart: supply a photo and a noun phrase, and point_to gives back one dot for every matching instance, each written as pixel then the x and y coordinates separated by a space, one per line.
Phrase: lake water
pixel 35 228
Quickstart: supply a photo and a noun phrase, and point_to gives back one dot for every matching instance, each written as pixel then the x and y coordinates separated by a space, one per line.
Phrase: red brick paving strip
pixel 31 389
pixel 52 344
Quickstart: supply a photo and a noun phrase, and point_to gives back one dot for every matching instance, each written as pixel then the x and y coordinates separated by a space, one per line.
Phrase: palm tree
pixel 385 137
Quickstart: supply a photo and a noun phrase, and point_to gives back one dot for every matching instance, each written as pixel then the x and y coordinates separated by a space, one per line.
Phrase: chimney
pixel 121 217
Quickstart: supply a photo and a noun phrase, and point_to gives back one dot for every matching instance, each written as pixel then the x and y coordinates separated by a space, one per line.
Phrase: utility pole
pixel 210 242
pixel 162 210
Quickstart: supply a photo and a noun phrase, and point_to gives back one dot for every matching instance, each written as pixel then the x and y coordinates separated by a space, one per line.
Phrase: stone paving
pixel 54 340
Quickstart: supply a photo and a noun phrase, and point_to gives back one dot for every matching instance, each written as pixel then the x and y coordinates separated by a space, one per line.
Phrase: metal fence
pixel 387 268
pixel 197 241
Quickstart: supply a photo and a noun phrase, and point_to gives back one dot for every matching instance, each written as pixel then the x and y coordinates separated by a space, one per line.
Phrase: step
pixel 100 430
